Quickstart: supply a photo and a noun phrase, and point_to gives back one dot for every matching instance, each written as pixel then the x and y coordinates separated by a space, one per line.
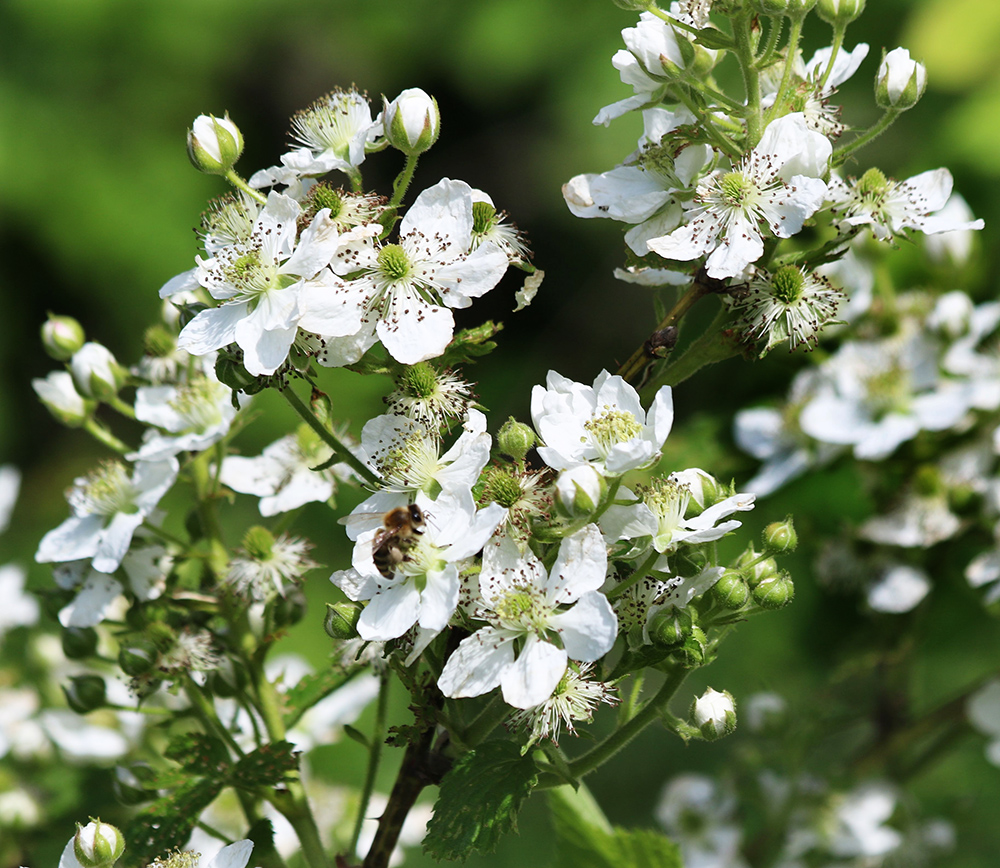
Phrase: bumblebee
pixel 402 526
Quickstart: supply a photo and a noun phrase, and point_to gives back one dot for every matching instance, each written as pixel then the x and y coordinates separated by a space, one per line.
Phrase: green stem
pixel 791 52
pixel 240 184
pixel 330 438
pixel 103 436
pixel 774 34
pixel 402 182
pixel 751 77
pixel 374 757
pixel 838 40
pixel 873 132
pixel 120 406
pixel 708 125
pixel 600 754
pixel 484 723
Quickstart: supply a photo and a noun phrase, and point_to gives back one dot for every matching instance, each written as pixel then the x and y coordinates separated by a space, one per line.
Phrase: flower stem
pixel 402 182
pixel 617 740
pixel 374 756
pixel 242 185
pixel 330 438
pixel 838 40
pixel 751 77
pixel 873 132
pixel 639 574
pixel 791 52
pixel 103 436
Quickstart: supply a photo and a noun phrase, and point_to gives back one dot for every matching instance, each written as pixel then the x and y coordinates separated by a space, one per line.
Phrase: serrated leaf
pixel 470 344
pixel 199 753
pixel 167 823
pixel 479 800
pixel 310 689
pixel 267 766
pixel 584 839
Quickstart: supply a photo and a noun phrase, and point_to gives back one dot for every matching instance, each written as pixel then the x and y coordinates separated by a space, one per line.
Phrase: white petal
pixel 390 613
pixel 475 667
pixel 589 628
pixel 212 329
pixel 534 675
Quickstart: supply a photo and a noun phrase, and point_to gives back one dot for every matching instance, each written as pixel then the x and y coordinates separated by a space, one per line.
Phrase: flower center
pixel 521 608
pixel 106 491
pixel 503 487
pixel 668 500
pixel 888 391
pixel 393 263
pixel 786 285
pixel 738 191
pixel 483 217
pixel 198 404
pixel 332 123
pixel 613 427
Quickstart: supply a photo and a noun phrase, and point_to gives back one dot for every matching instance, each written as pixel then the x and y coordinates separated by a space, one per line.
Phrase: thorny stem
pixel 751 78
pixel 873 132
pixel 642 358
pixel 240 184
pixel 838 40
pixel 402 182
pixel 330 438
pixel 791 52
pixel 774 34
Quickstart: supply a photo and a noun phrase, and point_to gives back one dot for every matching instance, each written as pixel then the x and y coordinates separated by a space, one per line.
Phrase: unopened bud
pixel 714 714
pixel 62 336
pixel 95 372
pixel 670 627
pixel 98 845
pixel 780 536
pixel 79 642
pixel 774 592
pixel 900 82
pixel 214 144
pixel 84 693
pixel 412 121
pixel 580 490
pixel 514 439
pixel 341 620
pixel 839 12
pixel 137 656
pixel 731 591
pixel 59 395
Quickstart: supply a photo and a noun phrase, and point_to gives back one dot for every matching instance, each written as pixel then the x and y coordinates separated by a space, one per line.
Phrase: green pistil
pixel 197 404
pixel 872 183
pixel 323 196
pixel 503 487
pixel 483 217
pixel 614 427
pixel 182 859
pixel 258 543
pixel 159 341
pixel 418 381
pixel 927 481
pixel 737 189
pixel 889 391
pixel 393 262
pixel 786 285
pixel 518 606
pixel 659 161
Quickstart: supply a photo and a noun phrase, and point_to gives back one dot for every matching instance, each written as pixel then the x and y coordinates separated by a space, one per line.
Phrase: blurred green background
pixel 98 202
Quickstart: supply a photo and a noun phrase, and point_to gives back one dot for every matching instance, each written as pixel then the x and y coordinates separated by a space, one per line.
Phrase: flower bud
pixel 341 620
pixel 671 626
pixel 694 652
pixel 61 399
pixel 62 336
pixel 514 439
pixel 774 592
pixel 900 82
pixel 98 845
pixel 214 145
pixel 780 536
pixel 129 783
pixel 79 642
pixel 412 121
pixel 788 8
pixel 137 656
pixel 731 591
pixel 95 372
pixel 714 714
pixel 839 12
pixel 580 490
pixel 84 693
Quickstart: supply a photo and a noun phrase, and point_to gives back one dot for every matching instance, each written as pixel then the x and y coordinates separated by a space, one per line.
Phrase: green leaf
pixel 267 766
pixel 479 800
pixel 585 839
pixel 311 689
pixel 357 735
pixel 199 753
pixel 471 344
pixel 167 823
pixel 712 37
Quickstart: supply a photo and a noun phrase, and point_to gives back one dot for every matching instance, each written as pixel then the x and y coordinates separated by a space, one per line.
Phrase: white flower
pixel 333 132
pixel 488 224
pixel 197 414
pixel 267 562
pixel 983 710
pixel 108 506
pixel 282 476
pixel 984 569
pixel 524 607
pixel 19 609
pixel 778 183
pixel 235 855
pixel 403 292
pixel 425 584
pixel 952 246
pixel 920 520
pixel 889 207
pixel 858 823
pixel 603 425
pixel 10 484
pixel 642 192
pixel 82 742
pixel 900 588
pixel 698 815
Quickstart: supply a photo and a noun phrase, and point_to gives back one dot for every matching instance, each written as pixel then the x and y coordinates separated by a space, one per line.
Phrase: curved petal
pixel 589 628
pixel 475 667
pixel 531 679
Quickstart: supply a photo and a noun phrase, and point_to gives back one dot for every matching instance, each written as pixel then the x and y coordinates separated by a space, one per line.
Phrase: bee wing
pixel 369 514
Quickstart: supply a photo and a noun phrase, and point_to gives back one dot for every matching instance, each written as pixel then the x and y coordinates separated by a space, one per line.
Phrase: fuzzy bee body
pixel 402 526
